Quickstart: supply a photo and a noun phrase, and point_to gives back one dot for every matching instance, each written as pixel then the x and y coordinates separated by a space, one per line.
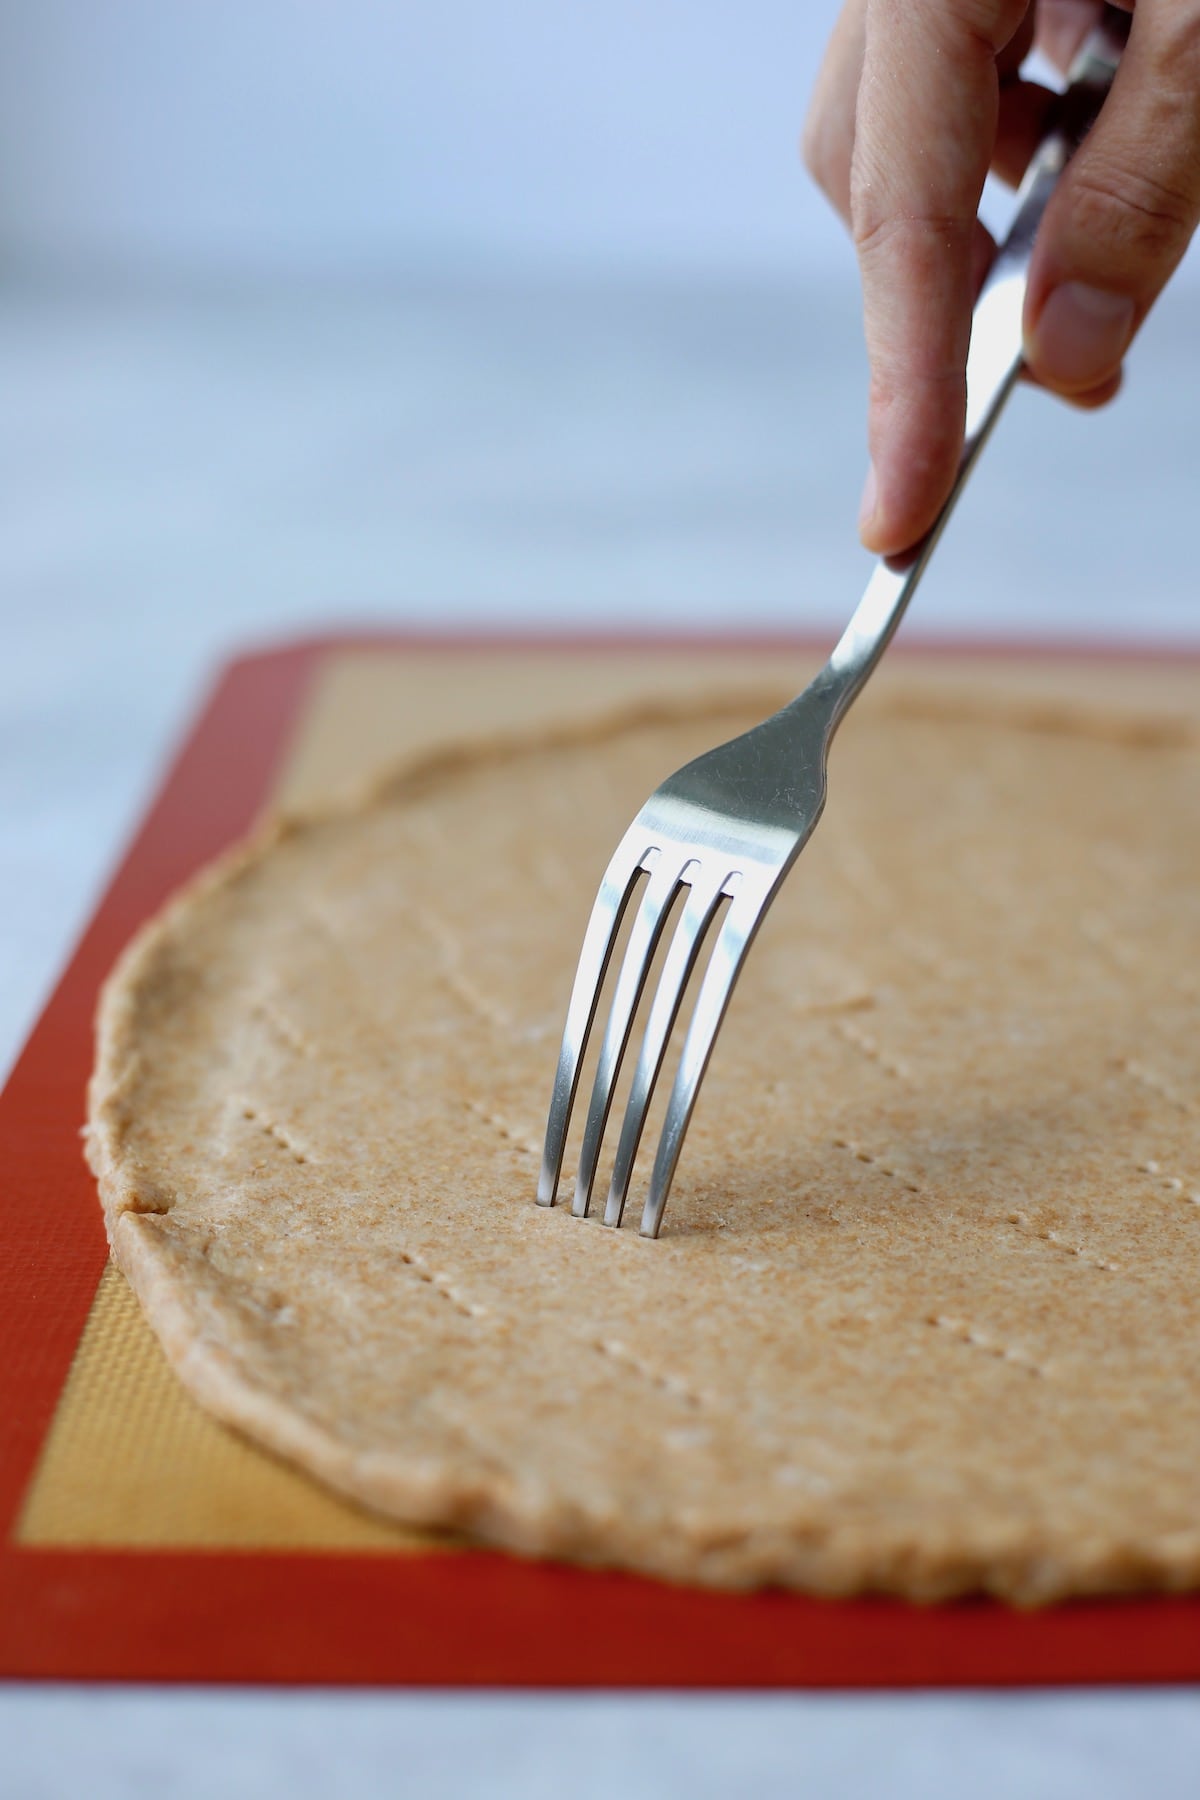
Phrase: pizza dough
pixel 924 1314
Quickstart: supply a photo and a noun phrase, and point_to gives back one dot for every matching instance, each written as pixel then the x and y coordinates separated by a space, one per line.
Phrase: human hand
pixel 915 101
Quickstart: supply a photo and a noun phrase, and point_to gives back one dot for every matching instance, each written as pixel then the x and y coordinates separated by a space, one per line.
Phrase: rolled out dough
pixel 925 1312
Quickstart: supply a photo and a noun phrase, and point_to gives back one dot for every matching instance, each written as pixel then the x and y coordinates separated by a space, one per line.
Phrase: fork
pixel 730 824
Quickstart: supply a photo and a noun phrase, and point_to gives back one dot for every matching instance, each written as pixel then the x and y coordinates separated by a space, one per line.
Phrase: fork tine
pixel 643 941
pixel 607 912
pixel 689 935
pixel 733 941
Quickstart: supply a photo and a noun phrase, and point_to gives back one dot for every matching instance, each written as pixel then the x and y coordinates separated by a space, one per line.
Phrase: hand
pixel 915 101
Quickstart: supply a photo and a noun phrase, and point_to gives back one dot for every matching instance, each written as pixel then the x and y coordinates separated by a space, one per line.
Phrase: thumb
pixel 1123 212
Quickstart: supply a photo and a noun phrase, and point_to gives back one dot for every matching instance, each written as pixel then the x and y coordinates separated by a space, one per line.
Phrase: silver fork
pixel 732 823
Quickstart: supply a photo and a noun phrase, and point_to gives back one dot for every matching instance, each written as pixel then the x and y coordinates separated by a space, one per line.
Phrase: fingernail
pixel 1080 335
pixel 870 499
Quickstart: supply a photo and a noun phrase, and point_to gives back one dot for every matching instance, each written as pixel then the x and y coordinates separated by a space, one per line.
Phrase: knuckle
pixel 1136 217
pixel 986 25
pixel 909 235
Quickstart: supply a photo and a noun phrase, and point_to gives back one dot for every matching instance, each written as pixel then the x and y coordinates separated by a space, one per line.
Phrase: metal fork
pixel 732 823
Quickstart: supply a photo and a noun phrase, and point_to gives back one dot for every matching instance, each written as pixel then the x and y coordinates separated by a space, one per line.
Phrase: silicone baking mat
pixel 140 1540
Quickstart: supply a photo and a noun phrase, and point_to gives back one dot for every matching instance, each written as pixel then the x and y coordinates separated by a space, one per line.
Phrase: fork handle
pixel 993 364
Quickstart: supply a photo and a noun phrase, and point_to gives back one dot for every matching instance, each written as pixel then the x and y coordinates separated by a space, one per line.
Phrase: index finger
pixel 927 115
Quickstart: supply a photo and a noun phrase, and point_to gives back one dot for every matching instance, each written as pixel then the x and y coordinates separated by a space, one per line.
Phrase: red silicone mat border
pixel 464 1620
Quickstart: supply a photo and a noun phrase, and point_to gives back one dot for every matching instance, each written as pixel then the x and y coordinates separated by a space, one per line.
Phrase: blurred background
pixel 471 315
pixel 456 316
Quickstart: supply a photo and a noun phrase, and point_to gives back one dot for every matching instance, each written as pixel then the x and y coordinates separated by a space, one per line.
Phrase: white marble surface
pixel 182 474
pixel 244 1746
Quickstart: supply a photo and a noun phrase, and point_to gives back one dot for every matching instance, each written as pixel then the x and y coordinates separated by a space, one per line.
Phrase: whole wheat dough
pixel 924 1313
